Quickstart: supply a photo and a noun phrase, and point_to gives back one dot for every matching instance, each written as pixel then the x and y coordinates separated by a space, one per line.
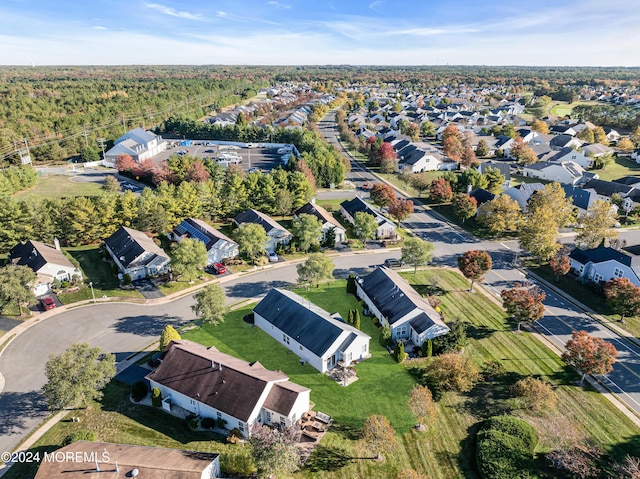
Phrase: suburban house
pixel 481 196
pixel 567 173
pixel 562 130
pixel 503 168
pixel 564 141
pixel 137 143
pixel 212 384
pixel 321 339
pixel 580 198
pixel 136 254
pixel 327 220
pixel 276 233
pixel 348 208
pixel 115 461
pixel 394 302
pixel 523 192
pixel 635 155
pixel 604 263
pixel 48 262
pixel 218 245
pixel 566 154
pixel 596 149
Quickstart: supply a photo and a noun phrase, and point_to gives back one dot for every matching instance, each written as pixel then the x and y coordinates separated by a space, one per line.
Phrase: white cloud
pixel 173 12
pixel 374 5
pixel 279 5
pixel 99 27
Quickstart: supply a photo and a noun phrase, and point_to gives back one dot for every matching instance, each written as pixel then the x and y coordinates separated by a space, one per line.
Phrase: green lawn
pixel 58 186
pixel 562 108
pixel 331 205
pixel 95 270
pixel 622 166
pixel 589 297
pixel 445 451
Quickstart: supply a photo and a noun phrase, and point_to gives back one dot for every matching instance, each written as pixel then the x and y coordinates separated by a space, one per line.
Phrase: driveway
pixel 147 289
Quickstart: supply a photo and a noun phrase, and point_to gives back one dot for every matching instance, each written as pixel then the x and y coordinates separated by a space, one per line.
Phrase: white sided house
pixel 349 208
pixel 136 254
pixel 327 220
pixel 604 264
pixel 48 262
pixel 317 337
pixel 276 233
pixel 395 303
pixel 212 384
pixel 137 143
pixel 219 246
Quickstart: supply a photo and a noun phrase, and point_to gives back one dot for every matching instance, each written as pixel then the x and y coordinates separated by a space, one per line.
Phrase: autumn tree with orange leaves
pixel 474 264
pixel 560 265
pixel 524 304
pixel 589 355
pixel 623 296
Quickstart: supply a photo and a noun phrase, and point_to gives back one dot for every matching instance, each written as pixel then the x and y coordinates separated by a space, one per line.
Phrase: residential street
pixel 119 328
pixel 126 328
pixel 561 317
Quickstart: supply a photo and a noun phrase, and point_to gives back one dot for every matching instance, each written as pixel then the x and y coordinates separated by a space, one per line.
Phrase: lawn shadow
pixel 17 407
pixel 346 430
pixel 489 397
pixel 433 289
pixel 629 447
pixel 567 375
pixel 116 399
pixel 479 332
pixel 146 325
pixel 467 456
pixel 325 458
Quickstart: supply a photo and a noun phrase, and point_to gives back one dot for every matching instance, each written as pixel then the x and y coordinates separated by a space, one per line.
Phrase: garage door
pixel 40 289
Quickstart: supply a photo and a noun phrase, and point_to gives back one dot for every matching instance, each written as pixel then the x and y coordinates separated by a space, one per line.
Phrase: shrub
pixel 56 284
pixel 535 394
pixel 139 391
pixel 351 284
pixel 221 423
pixel 385 335
pixel 427 349
pixel 156 397
pixel 65 284
pixel 451 372
pixel 505 446
pixel 193 422
pixel 208 423
pixel 81 435
pixel 399 353
pixel 234 436
pixel 127 279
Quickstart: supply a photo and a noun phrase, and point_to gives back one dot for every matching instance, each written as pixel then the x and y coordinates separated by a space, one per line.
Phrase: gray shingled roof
pixel 308 324
pixel 35 255
pixel 128 244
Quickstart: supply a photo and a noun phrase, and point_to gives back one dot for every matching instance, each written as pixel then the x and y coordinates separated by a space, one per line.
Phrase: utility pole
pixel 85 134
pixel 101 142
pixel 124 124
pixel 24 154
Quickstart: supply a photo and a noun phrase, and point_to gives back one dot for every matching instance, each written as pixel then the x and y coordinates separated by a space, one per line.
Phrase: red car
pixel 218 268
pixel 47 303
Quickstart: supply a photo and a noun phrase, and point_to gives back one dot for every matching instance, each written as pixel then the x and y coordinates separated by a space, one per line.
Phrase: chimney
pixel 56 243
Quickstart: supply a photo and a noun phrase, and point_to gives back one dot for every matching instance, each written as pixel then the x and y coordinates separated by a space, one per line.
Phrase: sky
pixel 320 32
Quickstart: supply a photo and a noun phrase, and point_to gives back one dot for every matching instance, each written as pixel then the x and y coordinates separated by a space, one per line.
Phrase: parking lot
pixel 264 159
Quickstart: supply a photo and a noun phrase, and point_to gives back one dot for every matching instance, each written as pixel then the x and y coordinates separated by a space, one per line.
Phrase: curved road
pixel 119 328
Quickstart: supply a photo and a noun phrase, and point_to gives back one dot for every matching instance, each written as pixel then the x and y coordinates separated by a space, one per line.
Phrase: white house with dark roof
pixel 219 246
pixel 394 302
pixel 523 192
pixel 276 233
pixel 212 384
pixel 48 262
pixel 136 254
pixel 566 173
pixel 317 337
pixel 327 220
pixel 604 263
pixel 385 228
pixel 137 143
pixel 566 154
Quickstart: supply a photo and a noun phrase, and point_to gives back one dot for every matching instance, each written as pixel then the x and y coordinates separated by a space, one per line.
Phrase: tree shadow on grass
pixel 479 332
pixel 325 458
pixel 429 289
pixel 489 397
pixel 346 430
pixel 629 447
pixel 567 375
pixel 467 456
pixel 116 399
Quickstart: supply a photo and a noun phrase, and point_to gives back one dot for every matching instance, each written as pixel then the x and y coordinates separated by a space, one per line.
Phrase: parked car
pixel 393 263
pixel 47 303
pixel 273 257
pixel 218 268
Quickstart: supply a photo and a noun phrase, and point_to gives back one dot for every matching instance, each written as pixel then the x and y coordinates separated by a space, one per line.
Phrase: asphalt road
pixel 122 329
pixel 561 317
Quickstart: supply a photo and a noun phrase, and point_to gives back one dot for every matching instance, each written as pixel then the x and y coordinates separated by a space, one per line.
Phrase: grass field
pixel 445 451
pixel 98 272
pixel 622 166
pixel 57 186
pixel 562 108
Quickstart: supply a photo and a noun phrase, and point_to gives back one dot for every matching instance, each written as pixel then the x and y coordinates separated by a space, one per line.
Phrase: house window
pixel 285 338
pixel 283 420
pixel 364 348
pixel 581 269
pixel 241 426
pixel 269 417
pixel 402 330
pixel 219 414
pixel 597 278
pixel 301 348
pixel 618 273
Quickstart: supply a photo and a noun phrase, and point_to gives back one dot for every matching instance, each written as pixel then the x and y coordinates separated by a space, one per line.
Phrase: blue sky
pixel 291 32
